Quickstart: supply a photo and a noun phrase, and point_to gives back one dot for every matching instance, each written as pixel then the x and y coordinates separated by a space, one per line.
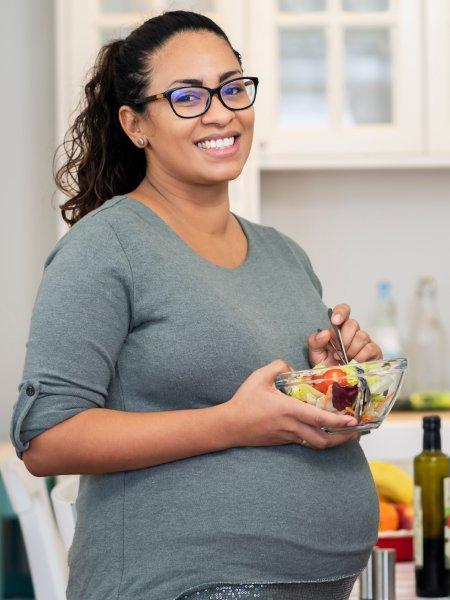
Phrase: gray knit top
pixel 127 316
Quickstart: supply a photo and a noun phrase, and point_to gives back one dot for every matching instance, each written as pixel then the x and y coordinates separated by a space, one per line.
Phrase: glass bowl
pixel 371 388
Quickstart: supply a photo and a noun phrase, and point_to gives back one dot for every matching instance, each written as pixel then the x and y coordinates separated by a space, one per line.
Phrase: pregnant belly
pixel 288 512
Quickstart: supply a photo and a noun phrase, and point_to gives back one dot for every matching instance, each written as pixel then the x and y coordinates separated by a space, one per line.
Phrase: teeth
pixel 221 143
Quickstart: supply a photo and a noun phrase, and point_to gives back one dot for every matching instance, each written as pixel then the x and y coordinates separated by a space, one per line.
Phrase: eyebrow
pixel 200 82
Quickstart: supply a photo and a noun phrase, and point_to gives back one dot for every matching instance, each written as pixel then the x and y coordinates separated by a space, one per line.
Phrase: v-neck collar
pixel 152 216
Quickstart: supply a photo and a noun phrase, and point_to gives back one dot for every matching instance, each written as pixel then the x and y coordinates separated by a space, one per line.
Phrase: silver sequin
pixel 339 589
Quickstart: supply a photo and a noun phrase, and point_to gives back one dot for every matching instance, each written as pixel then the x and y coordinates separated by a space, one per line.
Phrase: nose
pixel 217 111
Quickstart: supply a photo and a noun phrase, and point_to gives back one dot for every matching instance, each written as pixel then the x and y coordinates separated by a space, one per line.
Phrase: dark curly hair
pixel 100 161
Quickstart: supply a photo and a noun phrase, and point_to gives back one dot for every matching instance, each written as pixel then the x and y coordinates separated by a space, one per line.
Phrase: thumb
pixel 268 372
pixel 317 346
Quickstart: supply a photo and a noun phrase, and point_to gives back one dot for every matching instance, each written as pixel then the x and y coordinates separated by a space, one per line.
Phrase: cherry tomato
pixel 329 377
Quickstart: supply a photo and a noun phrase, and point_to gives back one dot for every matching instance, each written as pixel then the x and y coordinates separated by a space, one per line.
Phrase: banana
pixel 393 484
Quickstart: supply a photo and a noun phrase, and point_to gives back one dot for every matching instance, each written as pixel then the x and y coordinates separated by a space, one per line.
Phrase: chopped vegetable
pixel 352 374
pixel 343 396
pixel 328 378
pixel 303 390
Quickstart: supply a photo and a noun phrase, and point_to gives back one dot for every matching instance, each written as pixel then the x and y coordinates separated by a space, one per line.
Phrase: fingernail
pixel 337 318
pixel 322 335
pixel 350 422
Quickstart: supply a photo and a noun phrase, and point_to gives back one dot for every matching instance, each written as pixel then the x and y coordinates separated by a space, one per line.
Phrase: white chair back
pixel 63 496
pixel 46 554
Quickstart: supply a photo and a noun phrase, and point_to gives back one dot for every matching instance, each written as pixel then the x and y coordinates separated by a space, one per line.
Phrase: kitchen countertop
pixel 416 415
pixel 399 438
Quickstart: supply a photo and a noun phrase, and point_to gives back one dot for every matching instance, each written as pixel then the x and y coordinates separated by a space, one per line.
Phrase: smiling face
pixel 204 56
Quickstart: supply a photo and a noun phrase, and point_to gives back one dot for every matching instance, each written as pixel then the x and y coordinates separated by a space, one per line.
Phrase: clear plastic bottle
pixel 384 331
pixel 428 344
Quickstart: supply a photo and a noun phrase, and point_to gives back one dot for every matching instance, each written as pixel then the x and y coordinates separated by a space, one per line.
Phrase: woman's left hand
pixel 357 342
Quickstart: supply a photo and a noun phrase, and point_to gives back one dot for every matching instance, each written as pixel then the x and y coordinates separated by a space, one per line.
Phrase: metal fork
pixel 337 332
pixel 365 396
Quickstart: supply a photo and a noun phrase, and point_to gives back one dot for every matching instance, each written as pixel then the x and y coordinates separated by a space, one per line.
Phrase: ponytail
pixel 100 159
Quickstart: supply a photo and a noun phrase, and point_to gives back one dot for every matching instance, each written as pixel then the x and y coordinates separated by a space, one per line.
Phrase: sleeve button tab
pixel 30 390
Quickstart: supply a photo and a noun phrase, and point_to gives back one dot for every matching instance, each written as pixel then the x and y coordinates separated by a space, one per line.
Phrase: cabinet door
pixel 82 27
pixel 339 78
pixel 437 18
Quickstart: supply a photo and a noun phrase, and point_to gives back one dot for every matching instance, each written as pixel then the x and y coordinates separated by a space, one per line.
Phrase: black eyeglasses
pixel 190 102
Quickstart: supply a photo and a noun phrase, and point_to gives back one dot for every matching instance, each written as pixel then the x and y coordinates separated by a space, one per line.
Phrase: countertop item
pixel 405 585
pixel 424 401
pixel 366 581
pixel 384 573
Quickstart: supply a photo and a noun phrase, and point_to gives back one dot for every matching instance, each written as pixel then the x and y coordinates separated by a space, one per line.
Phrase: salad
pixel 338 388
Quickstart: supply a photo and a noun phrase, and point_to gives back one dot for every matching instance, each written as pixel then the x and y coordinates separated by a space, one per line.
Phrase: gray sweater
pixel 128 316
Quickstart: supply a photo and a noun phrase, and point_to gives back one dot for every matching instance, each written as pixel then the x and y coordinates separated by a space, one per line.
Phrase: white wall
pixel 28 223
pixel 362 226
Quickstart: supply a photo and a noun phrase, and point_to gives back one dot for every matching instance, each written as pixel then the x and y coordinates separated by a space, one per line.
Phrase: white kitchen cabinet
pixel 437 61
pixel 116 18
pixel 343 83
pixel 339 78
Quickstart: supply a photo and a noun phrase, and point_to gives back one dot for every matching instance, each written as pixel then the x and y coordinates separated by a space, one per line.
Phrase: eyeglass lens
pixel 193 101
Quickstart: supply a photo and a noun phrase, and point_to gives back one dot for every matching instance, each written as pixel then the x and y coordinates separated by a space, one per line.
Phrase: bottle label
pixel 418 527
pixel 446 483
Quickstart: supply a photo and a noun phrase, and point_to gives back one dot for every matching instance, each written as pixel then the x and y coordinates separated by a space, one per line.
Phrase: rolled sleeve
pixel 82 313
pixel 28 392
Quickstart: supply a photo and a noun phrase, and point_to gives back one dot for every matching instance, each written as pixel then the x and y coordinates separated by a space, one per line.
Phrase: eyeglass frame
pixel 167 95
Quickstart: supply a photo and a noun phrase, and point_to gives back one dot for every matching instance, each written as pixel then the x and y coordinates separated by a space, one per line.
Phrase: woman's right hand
pixel 261 415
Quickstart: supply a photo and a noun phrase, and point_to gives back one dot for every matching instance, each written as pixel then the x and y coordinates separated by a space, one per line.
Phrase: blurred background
pixel 351 153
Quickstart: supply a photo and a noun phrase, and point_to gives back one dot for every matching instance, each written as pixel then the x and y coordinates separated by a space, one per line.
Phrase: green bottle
pixel 431 475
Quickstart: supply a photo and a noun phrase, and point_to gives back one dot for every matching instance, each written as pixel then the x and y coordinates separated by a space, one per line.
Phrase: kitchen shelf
pixel 291 162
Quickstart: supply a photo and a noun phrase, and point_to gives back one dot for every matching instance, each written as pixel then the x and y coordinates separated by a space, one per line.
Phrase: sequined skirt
pixel 339 589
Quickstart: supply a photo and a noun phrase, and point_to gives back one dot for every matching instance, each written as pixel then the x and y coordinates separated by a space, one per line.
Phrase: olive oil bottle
pixel 431 468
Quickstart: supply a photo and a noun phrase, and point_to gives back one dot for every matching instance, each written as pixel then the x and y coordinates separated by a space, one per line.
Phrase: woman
pixel 160 324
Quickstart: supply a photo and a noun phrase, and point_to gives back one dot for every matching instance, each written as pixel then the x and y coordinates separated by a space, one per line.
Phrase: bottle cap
pixel 427 286
pixel 384 289
pixel 431 422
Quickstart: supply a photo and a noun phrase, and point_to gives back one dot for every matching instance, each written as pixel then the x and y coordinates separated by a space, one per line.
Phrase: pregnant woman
pixel 160 324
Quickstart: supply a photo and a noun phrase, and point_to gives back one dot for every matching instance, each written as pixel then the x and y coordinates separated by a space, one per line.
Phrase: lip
pixel 222 152
pixel 218 136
